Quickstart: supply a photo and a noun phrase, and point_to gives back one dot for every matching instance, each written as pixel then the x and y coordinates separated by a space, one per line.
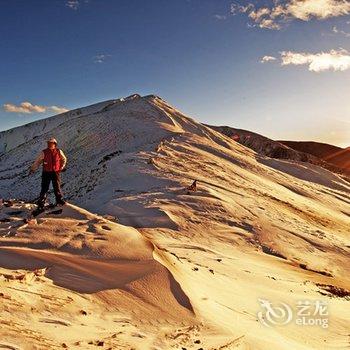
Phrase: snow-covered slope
pixel 12 138
pixel 107 147
pixel 94 279
pixel 256 228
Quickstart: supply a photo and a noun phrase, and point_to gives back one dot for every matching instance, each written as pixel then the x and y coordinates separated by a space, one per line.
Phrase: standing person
pixel 53 161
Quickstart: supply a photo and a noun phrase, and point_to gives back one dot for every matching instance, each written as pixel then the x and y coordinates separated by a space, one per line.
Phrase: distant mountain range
pixel 340 157
pixel 331 157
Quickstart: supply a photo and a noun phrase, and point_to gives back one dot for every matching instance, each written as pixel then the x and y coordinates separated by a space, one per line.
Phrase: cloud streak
pixel 282 11
pixel 334 60
pixel 100 58
pixel 268 59
pixel 73 4
pixel 28 108
pixel 58 109
pixel 220 17
pixel 335 30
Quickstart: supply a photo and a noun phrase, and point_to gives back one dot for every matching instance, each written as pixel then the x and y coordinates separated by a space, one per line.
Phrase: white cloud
pixel 24 107
pixel 286 10
pixel 307 9
pixel 100 58
pixel 58 110
pixel 336 60
pixel 268 59
pixel 340 31
pixel 220 17
pixel 73 4
pixel 27 108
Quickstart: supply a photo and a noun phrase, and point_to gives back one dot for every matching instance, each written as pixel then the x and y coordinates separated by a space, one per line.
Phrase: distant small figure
pixel 53 161
pixel 192 188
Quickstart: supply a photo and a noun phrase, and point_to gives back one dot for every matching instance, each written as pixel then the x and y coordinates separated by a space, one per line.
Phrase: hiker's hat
pixel 52 140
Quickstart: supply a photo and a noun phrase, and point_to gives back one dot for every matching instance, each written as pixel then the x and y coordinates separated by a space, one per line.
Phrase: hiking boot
pixel 60 202
pixel 40 204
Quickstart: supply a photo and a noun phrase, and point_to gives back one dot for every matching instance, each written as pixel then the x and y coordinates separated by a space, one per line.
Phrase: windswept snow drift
pixel 81 271
pixel 256 228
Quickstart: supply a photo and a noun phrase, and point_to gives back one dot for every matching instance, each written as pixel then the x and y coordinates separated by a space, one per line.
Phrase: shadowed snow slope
pixel 193 272
pixel 93 263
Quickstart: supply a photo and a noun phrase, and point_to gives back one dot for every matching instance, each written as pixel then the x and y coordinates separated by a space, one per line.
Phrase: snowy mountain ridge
pixel 129 129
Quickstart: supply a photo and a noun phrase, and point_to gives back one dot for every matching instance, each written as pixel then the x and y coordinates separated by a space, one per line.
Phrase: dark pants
pixel 46 178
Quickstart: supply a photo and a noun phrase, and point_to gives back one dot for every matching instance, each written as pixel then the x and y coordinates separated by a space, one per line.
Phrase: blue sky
pixel 202 56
